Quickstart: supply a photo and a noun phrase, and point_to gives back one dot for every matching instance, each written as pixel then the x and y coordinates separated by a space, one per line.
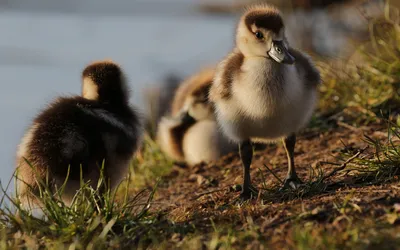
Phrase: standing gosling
pixel 191 134
pixel 80 131
pixel 264 90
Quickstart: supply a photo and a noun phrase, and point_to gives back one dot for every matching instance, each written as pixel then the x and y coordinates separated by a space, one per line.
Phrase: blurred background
pixel 44 45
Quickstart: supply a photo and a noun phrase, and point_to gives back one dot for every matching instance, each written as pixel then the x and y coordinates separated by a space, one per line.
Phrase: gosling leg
pixel 246 155
pixel 291 180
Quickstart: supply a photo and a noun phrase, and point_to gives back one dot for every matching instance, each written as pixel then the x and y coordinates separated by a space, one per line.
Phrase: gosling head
pixel 198 105
pixel 261 33
pixel 104 81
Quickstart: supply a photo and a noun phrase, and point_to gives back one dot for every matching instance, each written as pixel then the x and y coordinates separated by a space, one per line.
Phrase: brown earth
pixel 208 192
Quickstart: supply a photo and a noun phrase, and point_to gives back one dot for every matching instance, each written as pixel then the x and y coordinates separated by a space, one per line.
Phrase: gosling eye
pixel 259 35
pixel 278 49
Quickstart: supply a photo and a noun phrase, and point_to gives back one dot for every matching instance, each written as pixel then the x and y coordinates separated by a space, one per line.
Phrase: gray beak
pixel 280 53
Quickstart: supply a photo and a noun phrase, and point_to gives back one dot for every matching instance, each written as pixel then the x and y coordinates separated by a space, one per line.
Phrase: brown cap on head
pixel 263 16
pixel 104 81
pixel 101 71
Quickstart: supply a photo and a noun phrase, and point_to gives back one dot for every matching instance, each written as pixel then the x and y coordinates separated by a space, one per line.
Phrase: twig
pixel 208 192
pixel 344 164
pixel 330 163
pixel 348 126
pixel 335 116
pixel 274 174
pixel 279 222
pixel 365 191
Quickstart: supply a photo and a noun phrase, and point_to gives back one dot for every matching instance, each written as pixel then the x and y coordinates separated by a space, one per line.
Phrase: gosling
pixel 76 134
pixel 191 135
pixel 264 90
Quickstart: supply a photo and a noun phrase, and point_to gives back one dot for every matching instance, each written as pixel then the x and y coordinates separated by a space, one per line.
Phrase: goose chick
pixel 264 90
pixel 80 131
pixel 191 133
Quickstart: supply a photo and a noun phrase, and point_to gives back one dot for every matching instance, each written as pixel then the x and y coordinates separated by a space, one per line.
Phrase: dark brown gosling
pixel 75 134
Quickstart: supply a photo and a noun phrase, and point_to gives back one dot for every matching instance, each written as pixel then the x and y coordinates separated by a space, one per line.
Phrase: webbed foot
pixel 248 193
pixel 291 182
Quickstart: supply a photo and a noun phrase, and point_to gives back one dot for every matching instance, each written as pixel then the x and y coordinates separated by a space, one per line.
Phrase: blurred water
pixel 43 50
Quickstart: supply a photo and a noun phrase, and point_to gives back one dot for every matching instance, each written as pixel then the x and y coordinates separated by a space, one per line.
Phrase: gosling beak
pixel 280 53
pixel 186 118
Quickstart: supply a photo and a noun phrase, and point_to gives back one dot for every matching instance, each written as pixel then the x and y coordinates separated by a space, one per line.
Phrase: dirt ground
pixel 209 192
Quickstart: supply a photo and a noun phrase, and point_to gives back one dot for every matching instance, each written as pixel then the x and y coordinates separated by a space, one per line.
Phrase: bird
pixel 264 90
pixel 190 134
pixel 79 135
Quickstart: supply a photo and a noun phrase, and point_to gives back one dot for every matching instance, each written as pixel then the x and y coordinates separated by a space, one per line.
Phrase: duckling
pixel 75 134
pixel 191 133
pixel 264 90
pixel 192 95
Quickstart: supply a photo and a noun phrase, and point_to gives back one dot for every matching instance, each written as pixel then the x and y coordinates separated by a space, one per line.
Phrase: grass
pixel 150 164
pixel 350 201
pixel 85 224
pixel 368 83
